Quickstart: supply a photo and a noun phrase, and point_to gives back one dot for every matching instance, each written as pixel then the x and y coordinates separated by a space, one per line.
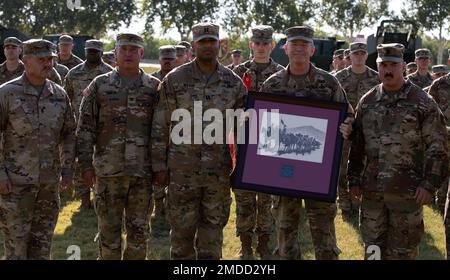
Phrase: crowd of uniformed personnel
pixel 104 125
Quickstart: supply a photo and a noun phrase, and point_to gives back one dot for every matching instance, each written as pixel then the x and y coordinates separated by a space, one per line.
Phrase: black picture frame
pixel 247 161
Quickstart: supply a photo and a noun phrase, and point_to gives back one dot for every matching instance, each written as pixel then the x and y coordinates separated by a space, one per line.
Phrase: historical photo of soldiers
pixel 121 139
pixel 299 138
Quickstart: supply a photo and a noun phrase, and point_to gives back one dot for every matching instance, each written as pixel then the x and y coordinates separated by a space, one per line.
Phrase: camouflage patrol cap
pixel 339 52
pixel 205 30
pixel 262 34
pixel 39 48
pixel 411 65
pixel 186 44
pixel 129 39
pixel 304 33
pixel 109 56
pixel 439 69
pixel 12 41
pixel 65 39
pixel 181 50
pixel 425 53
pixel 390 52
pixel 167 51
pixel 94 44
pixel 358 46
pixel 346 53
pixel 238 52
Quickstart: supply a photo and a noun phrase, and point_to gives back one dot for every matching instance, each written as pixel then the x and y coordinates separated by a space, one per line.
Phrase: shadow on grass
pixel 427 249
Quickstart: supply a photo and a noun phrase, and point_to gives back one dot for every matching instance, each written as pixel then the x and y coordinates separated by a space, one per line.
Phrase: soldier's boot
pixel 160 226
pixel 86 201
pixel 246 252
pixel 263 247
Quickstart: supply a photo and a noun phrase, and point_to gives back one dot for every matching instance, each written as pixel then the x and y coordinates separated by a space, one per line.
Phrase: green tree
pixel 432 15
pixel 351 16
pixel 181 14
pixel 93 17
pixel 280 14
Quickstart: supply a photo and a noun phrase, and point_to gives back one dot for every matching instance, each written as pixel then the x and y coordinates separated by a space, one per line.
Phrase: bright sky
pixel 138 23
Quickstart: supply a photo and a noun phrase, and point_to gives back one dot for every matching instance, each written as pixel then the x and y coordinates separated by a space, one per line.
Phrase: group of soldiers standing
pixel 108 128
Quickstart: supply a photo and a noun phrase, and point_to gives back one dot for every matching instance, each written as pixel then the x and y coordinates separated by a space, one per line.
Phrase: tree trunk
pixel 441 45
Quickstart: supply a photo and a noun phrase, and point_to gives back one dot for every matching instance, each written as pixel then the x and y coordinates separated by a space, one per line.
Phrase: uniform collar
pixel 310 76
pixel 401 94
pixel 116 80
pixel 197 73
pixel 29 89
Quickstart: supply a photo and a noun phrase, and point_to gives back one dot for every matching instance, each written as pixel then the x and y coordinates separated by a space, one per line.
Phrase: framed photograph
pixel 292 147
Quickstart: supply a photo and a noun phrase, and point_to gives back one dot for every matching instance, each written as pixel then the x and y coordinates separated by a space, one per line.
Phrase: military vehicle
pixel 394 31
pixel 322 58
pixel 78 41
pixel 9 32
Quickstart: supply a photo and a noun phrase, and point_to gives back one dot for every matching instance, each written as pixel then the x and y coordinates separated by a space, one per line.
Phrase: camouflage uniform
pixel 416 78
pixel 320 85
pixel 399 144
pixel 252 208
pixel 355 86
pixel 71 62
pixel 76 81
pixel 113 137
pixel 38 147
pixel 62 70
pixel 159 221
pixel 440 91
pixel 447 225
pixel 55 77
pixel 198 198
pixel 6 75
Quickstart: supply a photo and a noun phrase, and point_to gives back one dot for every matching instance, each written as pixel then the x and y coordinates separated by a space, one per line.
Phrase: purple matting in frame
pixel 309 176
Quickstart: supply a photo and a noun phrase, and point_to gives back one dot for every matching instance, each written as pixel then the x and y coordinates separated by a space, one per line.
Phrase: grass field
pixel 79 228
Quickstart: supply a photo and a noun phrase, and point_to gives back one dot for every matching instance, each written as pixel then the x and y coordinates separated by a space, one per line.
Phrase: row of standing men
pixel 119 109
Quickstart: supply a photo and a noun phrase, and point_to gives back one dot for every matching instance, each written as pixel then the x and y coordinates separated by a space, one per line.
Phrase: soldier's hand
pixel 346 128
pixel 66 183
pixel 423 196
pixel 5 187
pixel 88 178
pixel 355 194
pixel 160 178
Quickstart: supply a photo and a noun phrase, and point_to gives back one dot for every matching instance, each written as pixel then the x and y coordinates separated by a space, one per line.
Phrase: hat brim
pixel 302 38
pixel 167 57
pixel 260 40
pixel 423 56
pixel 44 54
pixel 92 48
pixel 128 43
pixel 390 58
pixel 206 36
pixel 11 44
pixel 360 50
pixel 65 43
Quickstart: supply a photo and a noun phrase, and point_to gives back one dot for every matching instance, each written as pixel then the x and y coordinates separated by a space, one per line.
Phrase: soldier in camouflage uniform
pixel 109 58
pixel 253 209
pixel 356 80
pixel 65 56
pixel 37 125
pixel 188 46
pixel 61 69
pixel 224 54
pixel 12 67
pixel 302 79
pixel 437 71
pixel 159 222
pixel 181 55
pixel 338 61
pixel 167 61
pixel 398 158
pixel 198 198
pixel 410 68
pixel 347 58
pixel 440 91
pixel 422 78
pixel 113 149
pixel 76 81
pixel 237 59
